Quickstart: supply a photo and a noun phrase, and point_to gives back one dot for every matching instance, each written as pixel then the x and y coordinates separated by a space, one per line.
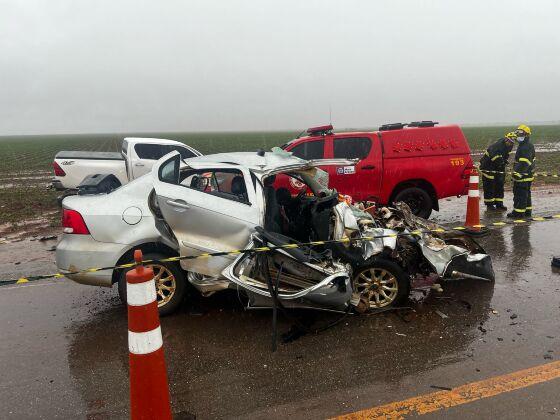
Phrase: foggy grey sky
pixel 105 66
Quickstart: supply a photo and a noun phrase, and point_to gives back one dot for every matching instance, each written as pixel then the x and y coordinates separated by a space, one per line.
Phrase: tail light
pixel 58 171
pixel 73 222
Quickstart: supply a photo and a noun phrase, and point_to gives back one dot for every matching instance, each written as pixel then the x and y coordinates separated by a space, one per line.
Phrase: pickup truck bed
pixel 136 158
pixel 89 155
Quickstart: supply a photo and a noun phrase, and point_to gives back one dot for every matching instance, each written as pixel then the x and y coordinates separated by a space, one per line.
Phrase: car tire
pixel 374 279
pixel 418 199
pixel 170 294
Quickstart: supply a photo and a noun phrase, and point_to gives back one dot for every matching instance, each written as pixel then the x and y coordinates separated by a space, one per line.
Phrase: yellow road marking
pixel 463 394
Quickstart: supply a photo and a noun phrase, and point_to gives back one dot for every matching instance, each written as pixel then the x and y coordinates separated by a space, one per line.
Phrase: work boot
pixel 501 207
pixel 489 207
pixel 528 213
pixel 515 215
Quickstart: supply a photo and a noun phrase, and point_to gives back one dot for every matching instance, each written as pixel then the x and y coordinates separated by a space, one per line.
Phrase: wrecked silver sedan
pixel 312 249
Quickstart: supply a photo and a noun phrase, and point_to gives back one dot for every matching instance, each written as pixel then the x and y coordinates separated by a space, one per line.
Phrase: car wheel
pixel 381 283
pixel 171 284
pixel 417 199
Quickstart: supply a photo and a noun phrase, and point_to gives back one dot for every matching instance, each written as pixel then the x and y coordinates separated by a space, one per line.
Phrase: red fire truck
pixel 418 163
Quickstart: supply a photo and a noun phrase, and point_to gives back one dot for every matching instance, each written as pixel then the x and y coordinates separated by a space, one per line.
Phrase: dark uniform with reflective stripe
pixel 523 177
pixel 495 159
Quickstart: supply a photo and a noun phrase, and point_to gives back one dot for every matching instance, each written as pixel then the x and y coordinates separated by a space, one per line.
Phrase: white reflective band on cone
pixel 144 342
pixel 138 294
pixel 474 180
pixel 474 193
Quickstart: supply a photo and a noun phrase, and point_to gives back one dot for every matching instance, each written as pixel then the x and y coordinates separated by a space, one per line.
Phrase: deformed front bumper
pixel 470 266
pixel 80 252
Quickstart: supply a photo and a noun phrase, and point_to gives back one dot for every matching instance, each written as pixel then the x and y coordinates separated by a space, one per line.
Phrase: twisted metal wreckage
pixel 368 274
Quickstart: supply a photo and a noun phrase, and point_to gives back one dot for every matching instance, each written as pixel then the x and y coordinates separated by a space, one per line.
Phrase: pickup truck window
pixel 185 153
pixel 310 150
pixel 224 183
pixel 150 151
pixel 351 147
pixel 156 151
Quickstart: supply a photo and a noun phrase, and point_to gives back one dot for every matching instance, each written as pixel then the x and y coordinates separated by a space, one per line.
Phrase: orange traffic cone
pixel 149 390
pixel 472 220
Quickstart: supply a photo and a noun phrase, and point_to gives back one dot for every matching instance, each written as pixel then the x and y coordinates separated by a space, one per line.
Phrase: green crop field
pixel 35 153
pixel 38 151
pixel 26 161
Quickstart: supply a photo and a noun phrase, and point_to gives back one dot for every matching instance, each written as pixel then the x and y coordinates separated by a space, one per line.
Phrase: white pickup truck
pixel 136 158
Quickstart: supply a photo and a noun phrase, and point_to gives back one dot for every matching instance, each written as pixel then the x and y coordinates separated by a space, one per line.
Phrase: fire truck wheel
pixel 417 199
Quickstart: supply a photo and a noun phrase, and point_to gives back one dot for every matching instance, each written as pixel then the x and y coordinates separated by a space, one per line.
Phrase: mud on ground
pixel 26 201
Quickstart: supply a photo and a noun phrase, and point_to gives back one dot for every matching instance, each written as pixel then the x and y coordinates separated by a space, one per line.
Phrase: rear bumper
pixel 80 252
pixel 57 185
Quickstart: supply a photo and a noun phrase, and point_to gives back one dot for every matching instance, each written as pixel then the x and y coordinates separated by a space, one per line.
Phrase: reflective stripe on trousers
pixel 522 197
pixel 493 187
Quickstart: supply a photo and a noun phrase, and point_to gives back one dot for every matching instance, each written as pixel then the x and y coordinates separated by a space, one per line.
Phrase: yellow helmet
pixel 511 136
pixel 525 129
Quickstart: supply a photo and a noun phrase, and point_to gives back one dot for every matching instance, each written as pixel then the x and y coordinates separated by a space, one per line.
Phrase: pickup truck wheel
pixel 417 199
pixel 171 284
pixel 381 283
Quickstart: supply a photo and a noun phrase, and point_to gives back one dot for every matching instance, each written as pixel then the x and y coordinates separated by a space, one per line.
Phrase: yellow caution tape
pixel 27 279
pixel 534 174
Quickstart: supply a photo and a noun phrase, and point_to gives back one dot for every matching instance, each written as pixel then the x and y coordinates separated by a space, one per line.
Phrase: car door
pixel 362 181
pixel 205 211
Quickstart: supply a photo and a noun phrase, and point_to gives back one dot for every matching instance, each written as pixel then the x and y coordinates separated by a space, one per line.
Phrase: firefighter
pixel 523 169
pixel 492 167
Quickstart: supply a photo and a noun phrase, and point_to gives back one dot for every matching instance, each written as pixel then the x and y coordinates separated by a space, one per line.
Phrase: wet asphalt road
pixel 64 354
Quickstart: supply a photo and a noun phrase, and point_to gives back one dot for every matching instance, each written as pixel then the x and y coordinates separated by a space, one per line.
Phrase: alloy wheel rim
pixel 377 286
pixel 166 284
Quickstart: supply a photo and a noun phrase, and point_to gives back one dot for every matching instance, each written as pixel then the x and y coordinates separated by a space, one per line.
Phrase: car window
pixel 351 147
pixel 224 183
pixel 169 171
pixel 310 150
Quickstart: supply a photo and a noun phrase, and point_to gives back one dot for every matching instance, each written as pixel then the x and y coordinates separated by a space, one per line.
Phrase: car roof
pixel 365 133
pixel 263 162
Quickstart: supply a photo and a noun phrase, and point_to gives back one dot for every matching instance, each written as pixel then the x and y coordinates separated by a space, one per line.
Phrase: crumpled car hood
pixel 440 247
